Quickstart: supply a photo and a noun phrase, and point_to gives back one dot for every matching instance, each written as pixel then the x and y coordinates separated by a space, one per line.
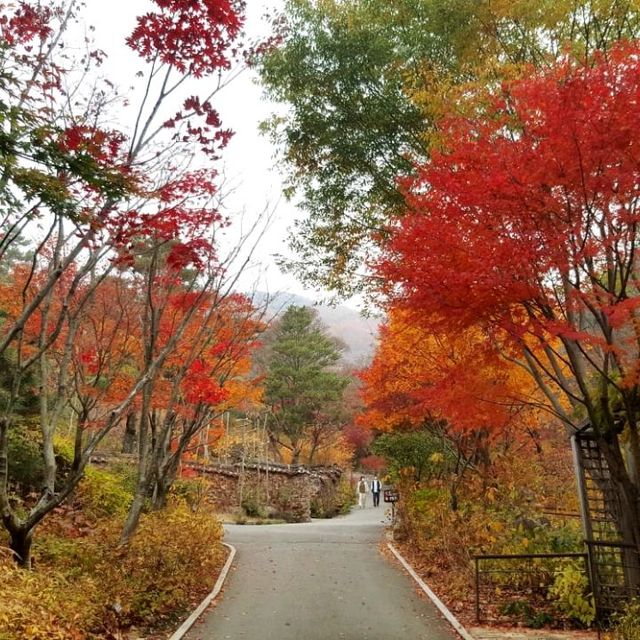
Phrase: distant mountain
pixel 350 326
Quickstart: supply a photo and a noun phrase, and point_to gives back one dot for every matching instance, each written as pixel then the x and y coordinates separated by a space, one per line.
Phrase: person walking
pixel 362 490
pixel 375 490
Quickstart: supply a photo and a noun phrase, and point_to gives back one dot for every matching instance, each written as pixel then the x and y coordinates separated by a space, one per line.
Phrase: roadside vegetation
pixel 84 583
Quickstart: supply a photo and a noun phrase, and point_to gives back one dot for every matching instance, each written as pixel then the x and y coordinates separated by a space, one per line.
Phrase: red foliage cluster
pixel 193 252
pixel 513 225
pixel 359 437
pixel 374 464
pixel 209 135
pixel 182 213
pixel 192 35
pixel 200 182
pixel 199 387
pixel 103 146
pixel 89 358
pixel 28 23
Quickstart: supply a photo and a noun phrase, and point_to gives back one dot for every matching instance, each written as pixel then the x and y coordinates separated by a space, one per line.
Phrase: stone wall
pixel 261 489
pixel 273 490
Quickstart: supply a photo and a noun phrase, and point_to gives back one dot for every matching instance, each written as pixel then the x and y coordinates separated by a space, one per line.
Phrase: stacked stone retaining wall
pixel 266 489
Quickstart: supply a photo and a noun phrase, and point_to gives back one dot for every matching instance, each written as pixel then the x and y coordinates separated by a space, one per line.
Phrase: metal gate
pixel 613 561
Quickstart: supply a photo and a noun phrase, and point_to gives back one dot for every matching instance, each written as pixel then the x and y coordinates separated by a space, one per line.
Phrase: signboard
pixel 390 495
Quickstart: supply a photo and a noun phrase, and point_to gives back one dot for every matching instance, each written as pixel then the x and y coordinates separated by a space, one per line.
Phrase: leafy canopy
pixel 528 228
pixel 364 84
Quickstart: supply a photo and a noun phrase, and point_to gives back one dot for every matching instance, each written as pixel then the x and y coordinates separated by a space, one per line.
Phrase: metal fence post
pixel 477 561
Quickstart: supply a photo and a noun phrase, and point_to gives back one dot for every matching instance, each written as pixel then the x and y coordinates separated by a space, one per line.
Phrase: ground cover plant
pixel 86 585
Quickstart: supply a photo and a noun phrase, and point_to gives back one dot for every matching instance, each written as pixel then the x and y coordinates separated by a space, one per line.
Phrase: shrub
pixel 252 508
pixel 26 466
pixel 252 504
pixel 523 610
pixel 192 490
pixel 90 588
pixel 345 496
pixel 569 593
pixel 413 450
pixel 333 499
pixel 38 605
pixel 103 494
pixel 626 625
pixel 173 553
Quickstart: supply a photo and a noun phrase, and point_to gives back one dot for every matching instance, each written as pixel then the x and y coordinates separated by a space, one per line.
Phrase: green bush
pixel 523 610
pixel 252 508
pixel 103 494
pixel 26 467
pixel 626 625
pixel 192 490
pixel 569 594
pixel 422 452
pixel 345 496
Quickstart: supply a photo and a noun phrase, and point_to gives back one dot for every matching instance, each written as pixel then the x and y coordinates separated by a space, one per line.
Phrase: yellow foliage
pixel 42 605
pixel 89 588
pixel 333 450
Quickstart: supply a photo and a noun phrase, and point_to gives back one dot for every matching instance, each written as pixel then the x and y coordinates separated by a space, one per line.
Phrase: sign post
pixel 391 495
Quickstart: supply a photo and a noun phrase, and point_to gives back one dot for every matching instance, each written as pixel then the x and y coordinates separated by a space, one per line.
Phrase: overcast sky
pixel 248 159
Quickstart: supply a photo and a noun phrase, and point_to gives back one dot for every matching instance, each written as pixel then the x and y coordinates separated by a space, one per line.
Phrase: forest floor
pixel 464 608
pixel 506 633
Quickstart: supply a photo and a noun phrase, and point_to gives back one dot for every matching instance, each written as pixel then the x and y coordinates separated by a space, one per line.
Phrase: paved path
pixel 325 580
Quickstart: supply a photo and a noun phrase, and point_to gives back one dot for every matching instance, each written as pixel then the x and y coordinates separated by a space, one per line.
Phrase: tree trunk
pixel 133 517
pixel 144 472
pixel 453 497
pixel 20 543
pixel 129 438
pixel 20 538
pixel 161 492
pixel 165 477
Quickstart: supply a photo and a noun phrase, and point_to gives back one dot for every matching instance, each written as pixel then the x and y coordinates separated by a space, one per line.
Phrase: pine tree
pixel 302 387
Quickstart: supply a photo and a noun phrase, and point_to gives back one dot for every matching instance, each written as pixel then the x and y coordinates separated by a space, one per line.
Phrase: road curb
pixel 450 618
pixel 191 620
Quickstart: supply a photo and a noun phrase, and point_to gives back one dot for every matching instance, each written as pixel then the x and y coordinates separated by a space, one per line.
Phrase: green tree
pixel 302 387
pixel 423 451
pixel 365 82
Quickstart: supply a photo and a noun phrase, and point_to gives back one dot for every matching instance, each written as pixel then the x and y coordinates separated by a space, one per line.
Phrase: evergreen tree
pixel 302 387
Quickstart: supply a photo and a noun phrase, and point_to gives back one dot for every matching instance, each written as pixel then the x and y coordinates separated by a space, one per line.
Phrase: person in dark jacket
pixel 375 490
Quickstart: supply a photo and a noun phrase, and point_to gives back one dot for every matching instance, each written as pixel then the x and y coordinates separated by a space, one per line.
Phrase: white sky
pixel 248 159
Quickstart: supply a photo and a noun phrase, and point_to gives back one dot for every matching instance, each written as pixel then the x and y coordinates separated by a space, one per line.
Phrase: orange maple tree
pixel 92 202
pixel 418 375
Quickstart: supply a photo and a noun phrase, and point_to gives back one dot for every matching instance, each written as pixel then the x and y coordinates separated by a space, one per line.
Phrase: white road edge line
pixel 451 619
pixel 190 621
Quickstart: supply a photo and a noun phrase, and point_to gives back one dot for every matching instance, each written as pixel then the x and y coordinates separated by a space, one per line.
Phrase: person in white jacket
pixel 362 489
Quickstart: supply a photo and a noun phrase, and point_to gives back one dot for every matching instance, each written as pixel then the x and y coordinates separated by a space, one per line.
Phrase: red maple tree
pixel 526 225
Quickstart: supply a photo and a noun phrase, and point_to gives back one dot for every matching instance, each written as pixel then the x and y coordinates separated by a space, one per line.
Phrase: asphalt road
pixel 322 580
